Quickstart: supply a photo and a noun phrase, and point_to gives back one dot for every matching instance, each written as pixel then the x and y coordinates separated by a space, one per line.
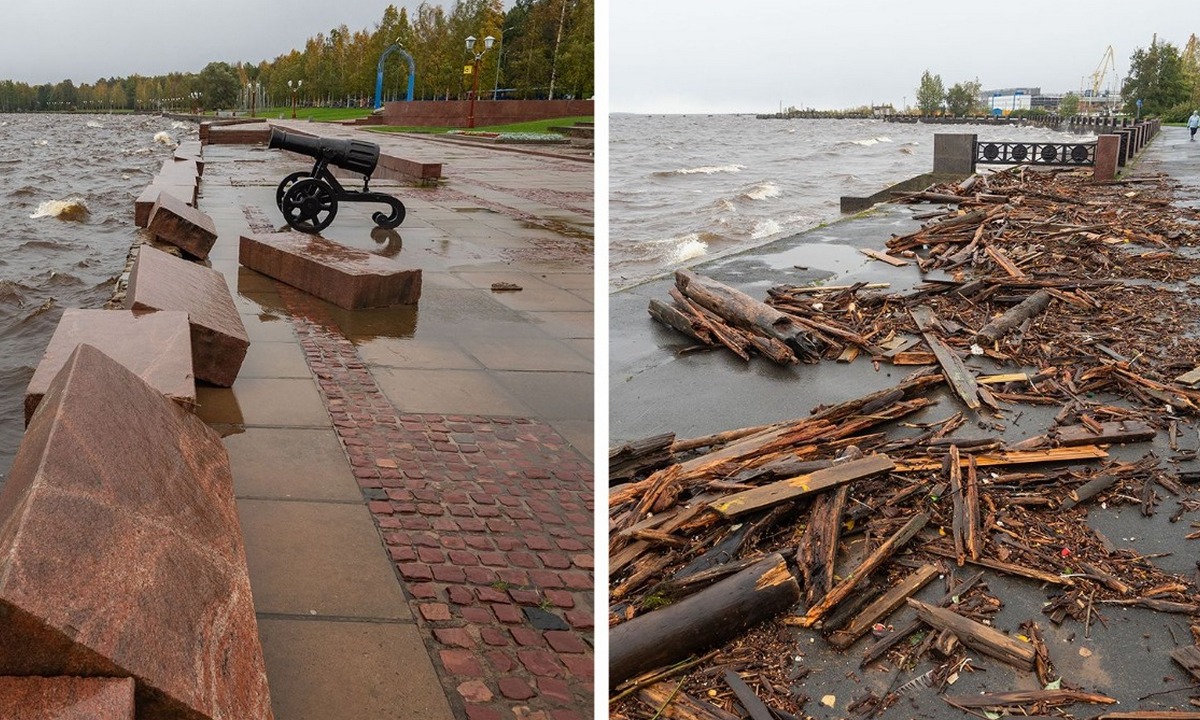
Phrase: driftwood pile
pixel 1078 294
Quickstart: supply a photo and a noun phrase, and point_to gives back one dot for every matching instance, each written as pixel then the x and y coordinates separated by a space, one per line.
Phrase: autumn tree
pixel 930 93
pixel 962 98
pixel 1156 77
pixel 1069 105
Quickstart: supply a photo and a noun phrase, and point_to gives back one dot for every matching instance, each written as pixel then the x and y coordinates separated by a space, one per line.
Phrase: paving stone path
pixel 488 521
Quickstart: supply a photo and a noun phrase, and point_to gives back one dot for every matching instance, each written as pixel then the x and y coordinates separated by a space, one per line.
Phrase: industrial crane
pixel 1107 65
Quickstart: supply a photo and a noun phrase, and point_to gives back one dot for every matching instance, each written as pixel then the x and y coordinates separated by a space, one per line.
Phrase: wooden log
pixel 958 517
pixel 710 617
pixel 672 317
pixel 712 324
pixel 629 459
pixel 1031 306
pixel 741 310
pixel 879 556
pixel 960 379
pixel 1188 658
pixel 801 486
pixel 817 555
pixel 902 631
pixel 973 519
pixel 977 635
pixel 883 606
pixel 1090 489
pixel 671 703
pixel 1027 697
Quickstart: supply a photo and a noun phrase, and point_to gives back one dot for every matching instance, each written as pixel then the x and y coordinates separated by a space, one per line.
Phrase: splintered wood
pixel 1043 290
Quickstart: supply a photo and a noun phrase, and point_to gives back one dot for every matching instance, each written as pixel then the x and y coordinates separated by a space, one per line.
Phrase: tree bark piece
pixel 1121 431
pixel 869 565
pixel 673 317
pixel 794 488
pixel 977 635
pixel 710 617
pixel 1035 304
pixel 741 310
pixel 882 607
pixel 1189 659
pixel 1006 568
pixel 817 556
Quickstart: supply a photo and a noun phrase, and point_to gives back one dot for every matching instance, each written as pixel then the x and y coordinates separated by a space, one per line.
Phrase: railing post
pixel 954 154
pixel 1107 149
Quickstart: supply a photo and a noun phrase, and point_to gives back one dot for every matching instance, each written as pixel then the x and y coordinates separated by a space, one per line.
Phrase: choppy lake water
pixel 688 187
pixel 67 186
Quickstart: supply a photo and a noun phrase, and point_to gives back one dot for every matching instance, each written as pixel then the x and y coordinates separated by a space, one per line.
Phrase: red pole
pixel 474 93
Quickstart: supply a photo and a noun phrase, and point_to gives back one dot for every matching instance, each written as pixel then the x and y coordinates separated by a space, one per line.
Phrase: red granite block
pixel 122 551
pixel 149 196
pixel 155 346
pixel 173 222
pixel 181 168
pixel 66 698
pixel 160 281
pixel 346 277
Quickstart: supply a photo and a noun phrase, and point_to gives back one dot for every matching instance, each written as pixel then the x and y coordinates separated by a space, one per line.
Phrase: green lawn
pixel 534 126
pixel 316 114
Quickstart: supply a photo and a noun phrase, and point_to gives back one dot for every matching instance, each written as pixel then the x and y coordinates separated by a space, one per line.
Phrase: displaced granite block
pixel 187 228
pixel 149 196
pixel 156 346
pixel 344 276
pixel 66 698
pixel 185 170
pixel 160 281
pixel 121 553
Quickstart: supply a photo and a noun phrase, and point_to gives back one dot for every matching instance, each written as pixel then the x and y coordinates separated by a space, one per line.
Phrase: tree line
pixel 1165 78
pixel 542 49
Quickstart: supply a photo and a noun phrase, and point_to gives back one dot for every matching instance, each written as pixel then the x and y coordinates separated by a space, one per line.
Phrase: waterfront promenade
pixel 654 390
pixel 415 484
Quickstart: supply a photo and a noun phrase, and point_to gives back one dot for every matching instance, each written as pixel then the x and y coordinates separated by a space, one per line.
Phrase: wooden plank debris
pixel 883 606
pixel 883 257
pixel 795 488
pixel 976 635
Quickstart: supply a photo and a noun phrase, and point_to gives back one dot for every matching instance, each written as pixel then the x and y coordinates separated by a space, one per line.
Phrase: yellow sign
pixel 466 69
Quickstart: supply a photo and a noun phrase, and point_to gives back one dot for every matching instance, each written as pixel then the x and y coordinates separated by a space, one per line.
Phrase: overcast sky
pixel 46 41
pixel 675 56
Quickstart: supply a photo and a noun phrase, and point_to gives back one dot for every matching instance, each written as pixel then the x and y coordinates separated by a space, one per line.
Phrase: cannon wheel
pixel 285 184
pixel 309 205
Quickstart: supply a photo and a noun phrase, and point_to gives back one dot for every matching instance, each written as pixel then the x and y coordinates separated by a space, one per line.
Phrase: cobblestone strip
pixel 489 522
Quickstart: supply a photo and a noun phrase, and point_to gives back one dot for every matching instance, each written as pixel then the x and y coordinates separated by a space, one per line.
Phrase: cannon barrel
pixel 354 155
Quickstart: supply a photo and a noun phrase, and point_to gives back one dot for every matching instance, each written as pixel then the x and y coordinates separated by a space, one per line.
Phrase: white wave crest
pixel 177 125
pixel 164 138
pixel 706 170
pixel 764 229
pixel 687 247
pixel 69 209
pixel 763 191
pixel 94 124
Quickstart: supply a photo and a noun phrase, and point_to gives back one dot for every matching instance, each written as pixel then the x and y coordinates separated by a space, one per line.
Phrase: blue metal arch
pixel 412 74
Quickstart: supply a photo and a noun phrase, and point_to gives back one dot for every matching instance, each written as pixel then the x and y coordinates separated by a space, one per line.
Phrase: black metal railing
pixel 1029 153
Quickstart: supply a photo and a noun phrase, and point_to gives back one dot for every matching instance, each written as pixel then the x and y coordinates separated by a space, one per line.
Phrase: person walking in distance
pixel 1193 124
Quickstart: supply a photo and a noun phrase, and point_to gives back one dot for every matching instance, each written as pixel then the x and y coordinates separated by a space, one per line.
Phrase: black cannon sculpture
pixel 309 199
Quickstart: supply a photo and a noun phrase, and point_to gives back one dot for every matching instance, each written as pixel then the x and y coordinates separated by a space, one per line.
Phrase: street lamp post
pixel 294 90
pixel 196 102
pixel 252 90
pixel 499 59
pixel 487 45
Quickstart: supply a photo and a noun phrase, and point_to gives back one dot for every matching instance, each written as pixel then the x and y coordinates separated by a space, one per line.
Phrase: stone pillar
pixel 1108 147
pixel 954 154
pixel 1123 151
